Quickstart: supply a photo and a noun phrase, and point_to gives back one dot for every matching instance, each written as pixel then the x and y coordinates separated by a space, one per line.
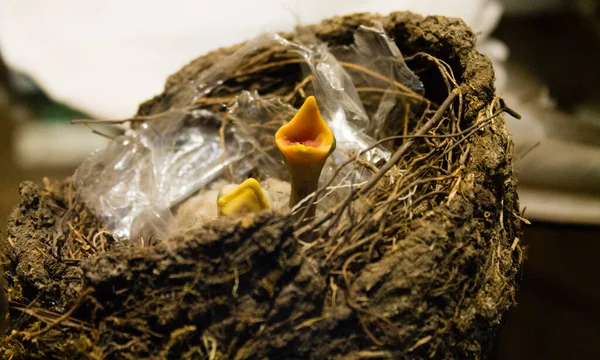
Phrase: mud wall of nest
pixel 430 279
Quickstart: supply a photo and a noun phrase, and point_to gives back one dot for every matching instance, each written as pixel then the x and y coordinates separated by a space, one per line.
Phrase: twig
pixel 509 111
pixel 122 121
pixel 65 316
pixel 48 316
pixel 522 218
pixel 298 88
pixel 412 95
pixel 377 75
pixel 530 149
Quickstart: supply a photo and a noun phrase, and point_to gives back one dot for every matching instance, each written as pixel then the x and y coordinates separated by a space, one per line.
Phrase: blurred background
pixel 66 59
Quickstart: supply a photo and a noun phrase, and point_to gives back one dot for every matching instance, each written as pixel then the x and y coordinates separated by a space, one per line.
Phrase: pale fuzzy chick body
pixel 202 207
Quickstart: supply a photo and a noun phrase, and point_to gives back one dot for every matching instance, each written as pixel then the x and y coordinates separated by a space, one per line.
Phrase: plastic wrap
pixel 140 175
pixel 376 67
pixel 133 184
pixel 254 121
pixel 340 105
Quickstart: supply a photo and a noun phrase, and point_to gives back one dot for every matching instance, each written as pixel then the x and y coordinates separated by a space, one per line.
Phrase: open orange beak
pixel 305 142
pixel 306 139
pixel 242 199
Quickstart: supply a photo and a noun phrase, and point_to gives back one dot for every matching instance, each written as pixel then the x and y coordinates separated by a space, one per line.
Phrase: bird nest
pixel 419 261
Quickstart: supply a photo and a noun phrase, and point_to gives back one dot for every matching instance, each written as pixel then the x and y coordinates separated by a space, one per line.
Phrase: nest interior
pixel 426 272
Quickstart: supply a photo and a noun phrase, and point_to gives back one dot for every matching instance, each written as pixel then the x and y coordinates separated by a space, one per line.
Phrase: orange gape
pixel 305 143
pixel 310 143
pixel 306 139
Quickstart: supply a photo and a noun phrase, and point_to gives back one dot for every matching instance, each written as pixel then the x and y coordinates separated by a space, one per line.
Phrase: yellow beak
pixel 305 142
pixel 242 199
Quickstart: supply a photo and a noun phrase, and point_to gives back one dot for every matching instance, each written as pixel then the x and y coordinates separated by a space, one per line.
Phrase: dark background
pixel 558 311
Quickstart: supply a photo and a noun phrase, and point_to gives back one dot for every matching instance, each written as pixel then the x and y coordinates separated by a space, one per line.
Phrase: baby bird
pixel 222 199
pixel 305 143
pixel 242 199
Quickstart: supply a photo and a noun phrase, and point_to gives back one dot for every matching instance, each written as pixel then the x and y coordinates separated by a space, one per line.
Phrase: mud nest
pixel 426 272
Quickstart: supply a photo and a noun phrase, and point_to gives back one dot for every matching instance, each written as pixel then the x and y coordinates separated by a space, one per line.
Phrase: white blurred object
pixel 105 57
pixel 558 160
pixel 558 206
pixel 498 52
pixel 52 145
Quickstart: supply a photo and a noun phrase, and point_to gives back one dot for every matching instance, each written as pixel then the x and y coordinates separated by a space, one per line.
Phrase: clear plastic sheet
pixel 376 66
pixel 340 105
pixel 139 176
pixel 133 184
pixel 254 121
